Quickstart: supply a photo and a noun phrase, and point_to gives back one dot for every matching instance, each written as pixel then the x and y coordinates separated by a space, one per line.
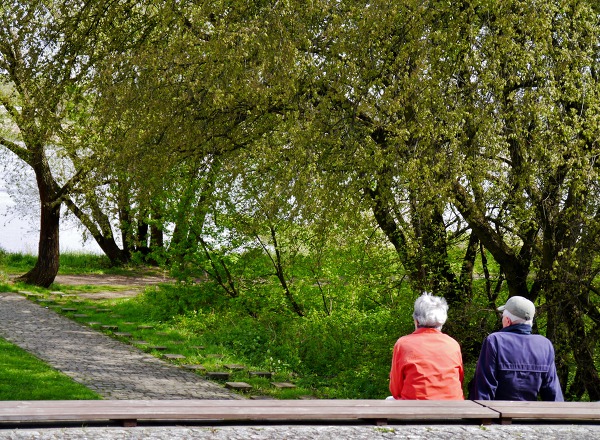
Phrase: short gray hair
pixel 516 320
pixel 430 311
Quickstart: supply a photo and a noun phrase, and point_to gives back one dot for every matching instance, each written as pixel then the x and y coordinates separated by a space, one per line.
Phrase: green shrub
pixel 346 354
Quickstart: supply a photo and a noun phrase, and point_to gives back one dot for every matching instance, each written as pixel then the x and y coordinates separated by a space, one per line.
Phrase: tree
pixel 520 164
pixel 364 95
pixel 206 84
pixel 470 115
pixel 47 52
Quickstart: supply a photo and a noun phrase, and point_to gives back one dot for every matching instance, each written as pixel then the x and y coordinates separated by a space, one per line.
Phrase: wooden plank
pixel 355 403
pixel 433 405
pixel 510 410
pixel 242 410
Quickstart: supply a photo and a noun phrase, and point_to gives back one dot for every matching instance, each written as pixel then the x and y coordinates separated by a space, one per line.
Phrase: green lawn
pixel 25 377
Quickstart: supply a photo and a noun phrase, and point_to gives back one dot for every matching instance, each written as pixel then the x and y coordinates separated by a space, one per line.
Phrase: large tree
pixel 474 114
pixel 519 106
pixel 47 52
pixel 210 81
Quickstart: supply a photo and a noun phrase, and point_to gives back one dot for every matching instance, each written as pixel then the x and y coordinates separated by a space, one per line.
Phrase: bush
pixel 343 355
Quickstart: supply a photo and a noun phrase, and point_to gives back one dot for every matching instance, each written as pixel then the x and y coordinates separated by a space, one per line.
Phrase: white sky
pixel 20 233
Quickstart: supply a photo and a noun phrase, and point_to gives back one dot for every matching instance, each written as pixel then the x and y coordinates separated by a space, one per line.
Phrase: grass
pixel 315 353
pixel 117 317
pixel 24 377
pixel 70 264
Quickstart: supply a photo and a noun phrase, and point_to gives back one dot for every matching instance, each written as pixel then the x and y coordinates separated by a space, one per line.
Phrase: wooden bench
pixel 130 412
pixel 544 411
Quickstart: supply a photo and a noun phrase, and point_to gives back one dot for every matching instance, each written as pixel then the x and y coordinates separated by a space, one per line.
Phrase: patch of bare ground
pixel 127 286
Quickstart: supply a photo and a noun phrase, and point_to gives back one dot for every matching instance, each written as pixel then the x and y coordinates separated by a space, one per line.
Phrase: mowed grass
pixel 25 377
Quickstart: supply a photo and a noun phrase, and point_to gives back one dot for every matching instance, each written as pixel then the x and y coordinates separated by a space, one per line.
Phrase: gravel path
pixel 413 432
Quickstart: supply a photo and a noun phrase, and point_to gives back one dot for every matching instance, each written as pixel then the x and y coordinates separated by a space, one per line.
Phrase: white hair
pixel 430 311
pixel 516 320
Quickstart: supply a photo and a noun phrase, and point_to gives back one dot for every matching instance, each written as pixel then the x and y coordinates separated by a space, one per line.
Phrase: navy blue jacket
pixel 516 365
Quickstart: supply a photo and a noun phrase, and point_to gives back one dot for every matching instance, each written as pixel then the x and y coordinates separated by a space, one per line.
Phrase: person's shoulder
pixel 449 338
pixel 493 337
pixel 540 339
pixel 404 339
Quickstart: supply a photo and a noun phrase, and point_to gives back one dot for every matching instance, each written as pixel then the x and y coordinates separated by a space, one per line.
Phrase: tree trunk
pixel 46 267
pixel 514 266
pixel 582 351
pixel 157 239
pixel 468 265
pixel 105 241
pixel 142 237
pixel 110 248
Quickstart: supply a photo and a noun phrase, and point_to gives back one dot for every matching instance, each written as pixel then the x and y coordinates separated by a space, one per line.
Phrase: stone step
pixel 194 367
pixel 283 385
pixel 173 356
pixel 266 374
pixel 240 386
pixel 234 367
pixel 218 375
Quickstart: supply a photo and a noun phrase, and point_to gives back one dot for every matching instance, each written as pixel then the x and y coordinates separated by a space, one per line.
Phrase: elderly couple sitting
pixel 514 364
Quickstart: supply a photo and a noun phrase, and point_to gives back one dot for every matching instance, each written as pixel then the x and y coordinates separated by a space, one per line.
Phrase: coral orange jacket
pixel 427 365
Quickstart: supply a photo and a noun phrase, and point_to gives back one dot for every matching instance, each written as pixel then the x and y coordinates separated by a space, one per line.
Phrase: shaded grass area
pixel 25 377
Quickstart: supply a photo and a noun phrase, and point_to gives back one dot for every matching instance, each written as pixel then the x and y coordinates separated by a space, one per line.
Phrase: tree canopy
pixel 454 135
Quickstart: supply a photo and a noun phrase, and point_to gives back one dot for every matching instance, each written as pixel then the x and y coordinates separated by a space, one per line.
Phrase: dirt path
pixel 125 285
pixel 111 280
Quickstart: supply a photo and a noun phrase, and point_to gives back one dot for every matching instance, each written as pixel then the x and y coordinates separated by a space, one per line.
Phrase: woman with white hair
pixel 427 364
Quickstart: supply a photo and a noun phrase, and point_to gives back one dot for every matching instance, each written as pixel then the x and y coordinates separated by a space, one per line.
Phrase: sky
pixel 19 233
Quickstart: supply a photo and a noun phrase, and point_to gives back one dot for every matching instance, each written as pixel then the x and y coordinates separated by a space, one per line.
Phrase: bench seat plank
pixel 246 410
pixel 510 410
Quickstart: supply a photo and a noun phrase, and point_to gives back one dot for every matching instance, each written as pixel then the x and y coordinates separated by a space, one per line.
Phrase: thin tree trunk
pixel 106 242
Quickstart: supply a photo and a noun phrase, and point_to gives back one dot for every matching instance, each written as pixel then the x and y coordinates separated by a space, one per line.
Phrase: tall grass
pixel 13 263
pixel 71 263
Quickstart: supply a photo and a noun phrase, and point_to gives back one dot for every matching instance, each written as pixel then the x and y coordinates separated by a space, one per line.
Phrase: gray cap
pixel 520 307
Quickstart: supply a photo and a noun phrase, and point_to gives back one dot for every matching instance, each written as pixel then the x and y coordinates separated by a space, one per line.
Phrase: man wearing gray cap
pixel 513 363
